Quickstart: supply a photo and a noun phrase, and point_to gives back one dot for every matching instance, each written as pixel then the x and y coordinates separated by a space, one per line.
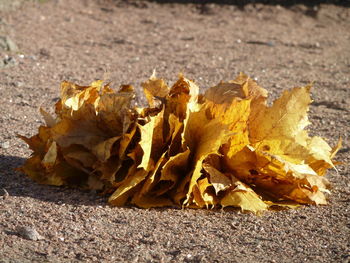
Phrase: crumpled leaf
pixel 220 181
pixel 225 148
pixel 244 198
pixel 155 89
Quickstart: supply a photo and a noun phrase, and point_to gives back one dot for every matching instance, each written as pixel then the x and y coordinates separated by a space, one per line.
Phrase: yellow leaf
pixel 113 112
pixel 68 132
pixel 151 179
pixel 182 95
pixel 320 151
pixel 203 137
pixel 185 86
pixel 124 191
pixel 220 181
pixel 50 156
pixel 202 195
pixel 102 150
pixel 38 142
pixel 255 93
pixel 223 148
pixel 282 179
pixel 173 171
pixel 236 117
pixel 246 200
pixel 74 96
pixel 154 88
pixel 151 139
pixel 285 119
pixel 224 93
pixel 33 168
pixel 49 120
pixel 79 157
pixel 125 142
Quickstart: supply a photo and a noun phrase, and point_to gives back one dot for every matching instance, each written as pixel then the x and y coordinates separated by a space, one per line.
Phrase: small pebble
pixel 5 145
pixel 29 233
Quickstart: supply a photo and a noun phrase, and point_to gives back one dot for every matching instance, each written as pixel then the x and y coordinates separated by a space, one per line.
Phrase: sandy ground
pixel 123 41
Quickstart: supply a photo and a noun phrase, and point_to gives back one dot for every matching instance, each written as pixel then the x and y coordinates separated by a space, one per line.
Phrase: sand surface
pixel 123 41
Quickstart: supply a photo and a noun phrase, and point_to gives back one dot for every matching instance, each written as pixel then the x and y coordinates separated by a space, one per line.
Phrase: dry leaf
pixel 223 148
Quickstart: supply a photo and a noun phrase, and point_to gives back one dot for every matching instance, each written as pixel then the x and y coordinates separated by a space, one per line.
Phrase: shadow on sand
pixel 18 184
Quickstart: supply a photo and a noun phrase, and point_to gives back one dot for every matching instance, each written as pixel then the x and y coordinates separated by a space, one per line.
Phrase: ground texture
pixel 45 42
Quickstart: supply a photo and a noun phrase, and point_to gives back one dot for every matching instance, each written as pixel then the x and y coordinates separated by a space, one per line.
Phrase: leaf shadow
pixel 19 185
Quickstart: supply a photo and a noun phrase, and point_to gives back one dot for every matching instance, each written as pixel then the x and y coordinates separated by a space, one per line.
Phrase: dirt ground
pixel 46 42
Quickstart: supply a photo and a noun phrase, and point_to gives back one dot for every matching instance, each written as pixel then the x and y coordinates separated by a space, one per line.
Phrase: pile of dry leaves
pixel 223 148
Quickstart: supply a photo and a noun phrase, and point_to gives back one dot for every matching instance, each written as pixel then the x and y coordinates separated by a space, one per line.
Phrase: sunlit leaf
pixel 224 148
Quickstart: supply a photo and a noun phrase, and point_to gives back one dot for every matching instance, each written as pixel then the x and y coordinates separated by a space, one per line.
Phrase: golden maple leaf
pixel 223 148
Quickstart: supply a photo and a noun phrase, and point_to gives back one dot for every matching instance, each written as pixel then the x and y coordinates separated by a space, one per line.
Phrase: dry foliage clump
pixel 223 148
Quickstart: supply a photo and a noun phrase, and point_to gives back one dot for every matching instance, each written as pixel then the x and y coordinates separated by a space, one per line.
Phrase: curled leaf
pixel 226 147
